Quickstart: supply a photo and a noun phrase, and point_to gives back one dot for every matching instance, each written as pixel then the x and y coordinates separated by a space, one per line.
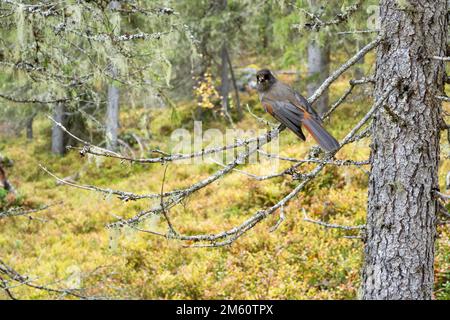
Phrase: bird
pixel 292 109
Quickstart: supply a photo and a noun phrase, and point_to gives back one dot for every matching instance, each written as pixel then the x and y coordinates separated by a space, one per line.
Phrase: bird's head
pixel 264 80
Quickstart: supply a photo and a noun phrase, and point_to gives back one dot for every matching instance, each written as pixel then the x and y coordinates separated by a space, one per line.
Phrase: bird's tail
pixel 322 137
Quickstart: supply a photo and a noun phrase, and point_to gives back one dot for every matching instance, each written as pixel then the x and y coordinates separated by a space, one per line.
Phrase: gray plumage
pixel 292 109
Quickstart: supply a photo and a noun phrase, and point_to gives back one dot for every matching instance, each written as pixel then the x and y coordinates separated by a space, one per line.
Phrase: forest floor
pixel 300 260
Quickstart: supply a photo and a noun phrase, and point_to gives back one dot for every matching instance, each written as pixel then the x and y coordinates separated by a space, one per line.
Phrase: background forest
pixel 126 75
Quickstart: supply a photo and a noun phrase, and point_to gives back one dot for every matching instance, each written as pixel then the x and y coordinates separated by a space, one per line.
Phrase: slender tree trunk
pixel 236 90
pixel 58 146
pixel 318 64
pixel 399 252
pixel 318 71
pixel 266 27
pixel 112 108
pixel 112 116
pixel 225 80
pixel 29 126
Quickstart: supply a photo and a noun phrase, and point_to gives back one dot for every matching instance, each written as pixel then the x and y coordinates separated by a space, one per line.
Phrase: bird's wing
pixel 313 123
pixel 300 102
pixel 294 117
pixel 287 114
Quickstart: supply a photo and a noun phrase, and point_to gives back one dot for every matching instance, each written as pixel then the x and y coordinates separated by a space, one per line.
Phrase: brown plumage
pixel 292 109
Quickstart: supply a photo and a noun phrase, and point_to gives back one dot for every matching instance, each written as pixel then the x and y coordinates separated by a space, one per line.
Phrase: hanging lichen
pixel 20 27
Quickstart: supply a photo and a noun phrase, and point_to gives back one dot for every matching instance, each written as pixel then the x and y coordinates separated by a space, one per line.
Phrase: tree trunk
pixel 58 146
pixel 112 108
pixel 112 116
pixel 225 81
pixel 318 70
pixel 236 90
pixel 318 64
pixel 29 126
pixel 399 251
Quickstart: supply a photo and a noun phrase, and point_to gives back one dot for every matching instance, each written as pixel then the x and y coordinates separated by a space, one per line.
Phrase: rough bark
pixel 58 146
pixel 399 251
pixel 318 71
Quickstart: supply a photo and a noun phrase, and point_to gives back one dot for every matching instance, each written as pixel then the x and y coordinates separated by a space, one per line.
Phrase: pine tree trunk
pixel 399 252
pixel 112 108
pixel 58 146
pixel 112 117
pixel 318 70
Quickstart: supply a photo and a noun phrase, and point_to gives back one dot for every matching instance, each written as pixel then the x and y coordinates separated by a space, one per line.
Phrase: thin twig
pixel 331 225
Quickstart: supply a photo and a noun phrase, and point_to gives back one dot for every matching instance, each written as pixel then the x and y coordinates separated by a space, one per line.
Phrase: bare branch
pixel 441 58
pixel 122 195
pixel 90 149
pixel 353 83
pixel 18 211
pixel 15 276
pixel 87 144
pixel 316 23
pixel 279 221
pixel 443 196
pixel 229 236
pixel 358 31
pixel 175 157
pixel 35 100
pixel 343 68
pixel 443 98
pixel 331 225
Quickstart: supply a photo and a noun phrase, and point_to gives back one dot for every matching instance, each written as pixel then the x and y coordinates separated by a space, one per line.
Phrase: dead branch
pixel 332 225
pixel 94 150
pixel 316 23
pixel 443 98
pixel 353 83
pixel 441 58
pixel 358 31
pixel 19 211
pixel 227 237
pixel 344 68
